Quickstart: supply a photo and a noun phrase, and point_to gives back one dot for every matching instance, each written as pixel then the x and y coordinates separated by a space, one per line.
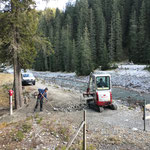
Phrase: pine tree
pixel 86 63
pixel 119 49
pixel 68 58
pixel 142 39
pixel 18 29
pixel 73 55
pixel 107 9
pixel 92 37
pixel 100 33
pixel 57 52
pixel 105 64
pixel 111 44
pixel 78 51
pixel 116 32
pixel 133 55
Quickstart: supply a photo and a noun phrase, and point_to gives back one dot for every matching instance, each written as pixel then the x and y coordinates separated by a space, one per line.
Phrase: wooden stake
pixel 144 115
pixel 84 130
pixel 75 135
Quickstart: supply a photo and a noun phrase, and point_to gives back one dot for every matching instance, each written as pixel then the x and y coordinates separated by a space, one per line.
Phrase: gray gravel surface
pixel 109 130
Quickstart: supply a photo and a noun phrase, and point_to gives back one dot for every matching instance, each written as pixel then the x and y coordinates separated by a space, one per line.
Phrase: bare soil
pixel 52 129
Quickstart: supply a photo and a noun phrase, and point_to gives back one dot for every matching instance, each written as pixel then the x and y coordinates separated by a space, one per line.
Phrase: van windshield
pixel 27 75
pixel 103 82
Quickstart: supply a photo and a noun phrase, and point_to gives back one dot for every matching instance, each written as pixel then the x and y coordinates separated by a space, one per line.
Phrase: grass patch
pixel 26 127
pixel 3 125
pixel 64 132
pixel 4 95
pixel 36 116
pixel 114 140
pixel 79 146
pixel 6 83
pixel 29 118
pixel 61 148
pixel 56 86
pixel 39 120
pixel 20 131
pixel 5 78
pixel 19 136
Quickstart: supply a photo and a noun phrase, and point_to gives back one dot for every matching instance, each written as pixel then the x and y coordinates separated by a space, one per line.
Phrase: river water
pixel 81 85
pixel 126 94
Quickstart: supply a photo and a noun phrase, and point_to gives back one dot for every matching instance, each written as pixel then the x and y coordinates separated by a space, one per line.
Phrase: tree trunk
pixel 17 83
pixel 16 92
pixel 20 86
pixel 16 64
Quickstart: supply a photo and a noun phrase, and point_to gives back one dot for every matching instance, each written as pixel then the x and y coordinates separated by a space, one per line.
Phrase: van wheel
pixel 113 107
pixel 34 83
pixel 101 109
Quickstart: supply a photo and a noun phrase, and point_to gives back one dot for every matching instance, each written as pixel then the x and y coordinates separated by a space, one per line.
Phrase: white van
pixel 28 78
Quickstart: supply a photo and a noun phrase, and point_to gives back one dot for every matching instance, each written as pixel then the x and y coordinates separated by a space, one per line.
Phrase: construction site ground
pixel 52 129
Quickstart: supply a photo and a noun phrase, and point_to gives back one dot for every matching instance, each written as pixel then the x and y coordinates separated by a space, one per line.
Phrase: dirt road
pixel 68 101
pixel 107 130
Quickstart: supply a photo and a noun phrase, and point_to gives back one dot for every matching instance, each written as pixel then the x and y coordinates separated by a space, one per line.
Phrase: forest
pixel 88 34
pixel 93 33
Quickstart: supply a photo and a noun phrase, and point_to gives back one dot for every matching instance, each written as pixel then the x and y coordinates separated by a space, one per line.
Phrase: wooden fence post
pixel 74 136
pixel 144 115
pixel 84 130
pixel 83 125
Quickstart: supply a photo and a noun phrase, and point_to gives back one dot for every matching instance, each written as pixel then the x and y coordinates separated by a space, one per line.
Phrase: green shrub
pixel 26 128
pixel 39 120
pixel 19 136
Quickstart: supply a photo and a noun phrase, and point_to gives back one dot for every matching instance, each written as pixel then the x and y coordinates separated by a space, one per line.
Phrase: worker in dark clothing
pixel 41 95
pixel 101 83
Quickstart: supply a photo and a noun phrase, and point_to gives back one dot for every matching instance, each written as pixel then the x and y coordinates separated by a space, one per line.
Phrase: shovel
pixel 55 109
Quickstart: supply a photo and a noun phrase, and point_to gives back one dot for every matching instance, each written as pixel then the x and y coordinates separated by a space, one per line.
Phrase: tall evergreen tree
pixel 100 32
pixel 92 37
pixel 119 49
pixel 86 63
pixel 78 51
pixel 73 55
pixel 18 29
pixel 142 39
pixel 133 53
pixel 57 52
pixel 105 57
pixel 111 44
pixel 117 32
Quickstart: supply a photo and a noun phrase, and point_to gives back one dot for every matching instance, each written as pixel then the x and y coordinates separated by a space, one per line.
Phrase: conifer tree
pixel 73 55
pixel 118 28
pixel 142 39
pixel 92 37
pixel 100 33
pixel 111 44
pixel 78 52
pixel 116 32
pixel 133 54
pixel 57 52
pixel 86 62
pixel 18 29
pixel 105 64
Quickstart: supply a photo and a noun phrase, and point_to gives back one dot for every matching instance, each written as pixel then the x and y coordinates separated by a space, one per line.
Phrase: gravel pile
pixel 68 108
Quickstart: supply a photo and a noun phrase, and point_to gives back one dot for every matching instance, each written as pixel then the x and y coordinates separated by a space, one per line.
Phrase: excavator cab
pixel 99 92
